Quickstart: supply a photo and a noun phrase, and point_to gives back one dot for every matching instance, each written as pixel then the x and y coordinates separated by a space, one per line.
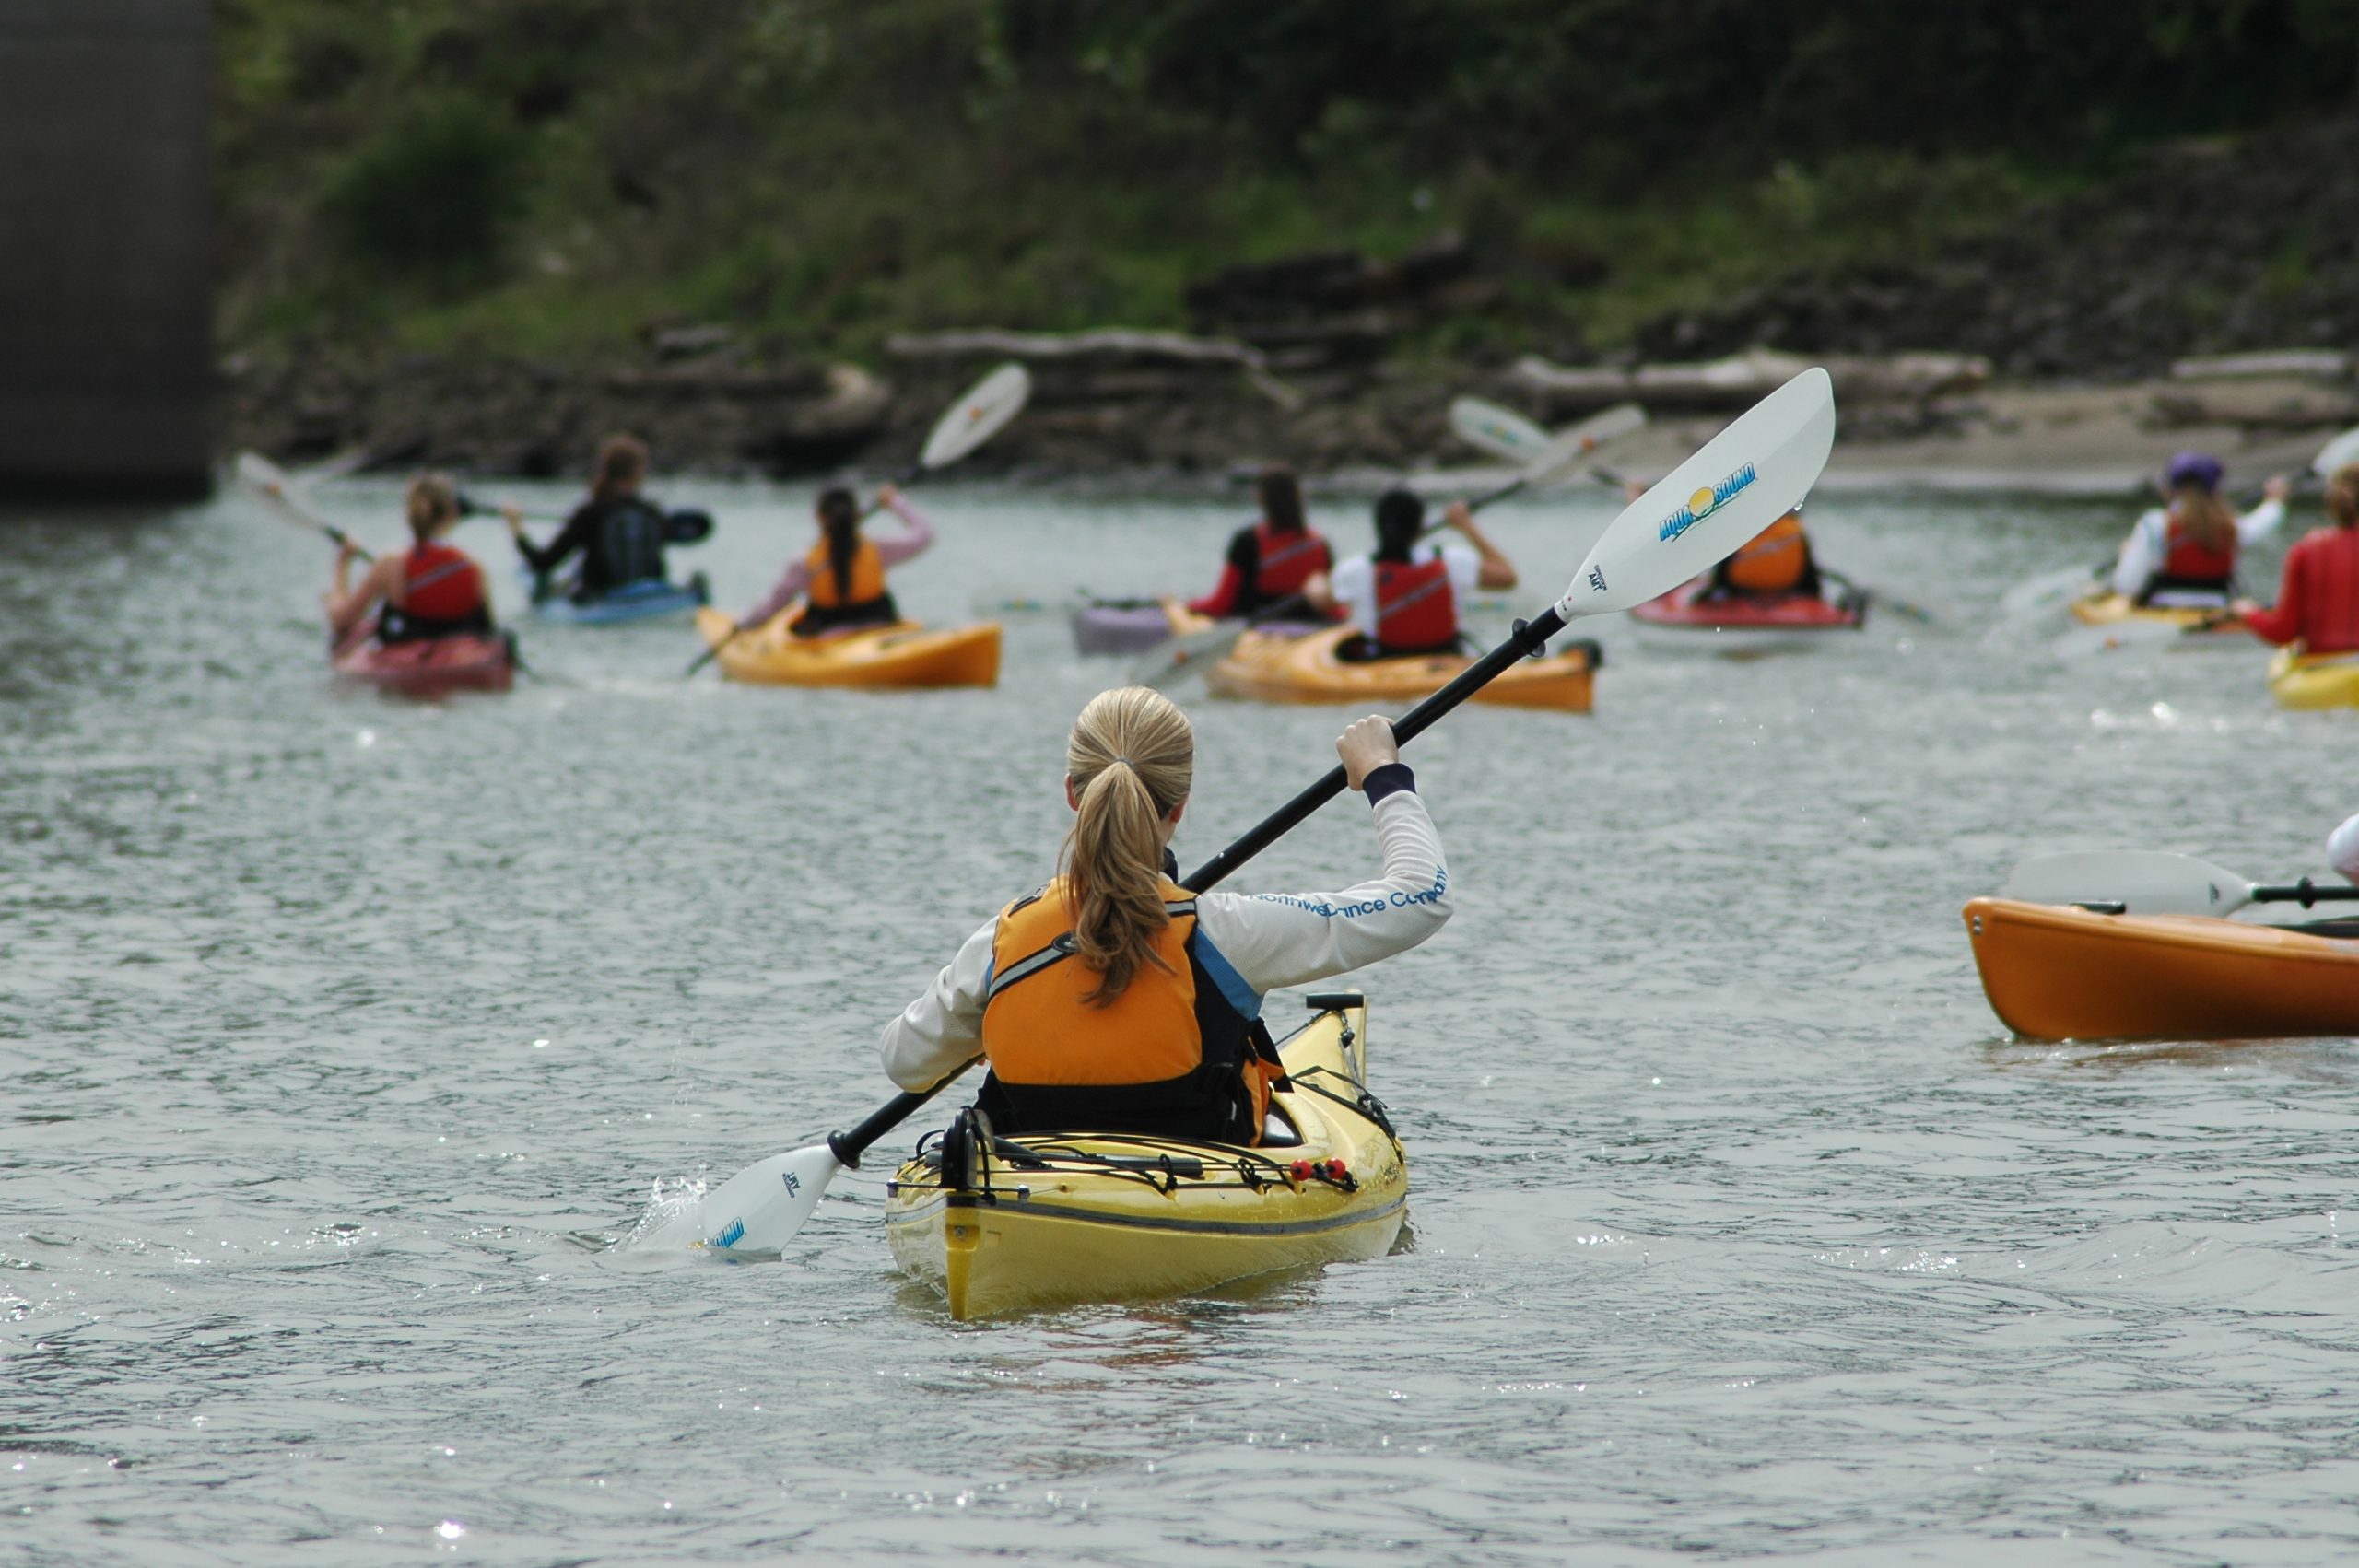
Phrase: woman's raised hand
pixel 1367 746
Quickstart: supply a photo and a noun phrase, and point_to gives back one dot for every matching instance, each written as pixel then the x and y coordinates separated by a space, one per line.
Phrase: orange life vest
pixel 1417 610
pixel 1774 561
pixel 1283 562
pixel 1180 1052
pixel 867 577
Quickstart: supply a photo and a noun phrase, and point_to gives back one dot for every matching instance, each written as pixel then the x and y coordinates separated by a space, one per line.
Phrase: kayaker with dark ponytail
pixel 1405 596
pixel 841 576
pixel 1270 561
pixel 1112 999
pixel 2318 599
pixel 619 532
pixel 431 590
pixel 2183 553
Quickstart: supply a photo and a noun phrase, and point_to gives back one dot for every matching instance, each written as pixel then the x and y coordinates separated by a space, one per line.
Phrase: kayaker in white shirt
pixel 1171 1051
pixel 1405 597
pixel 2342 850
pixel 2183 554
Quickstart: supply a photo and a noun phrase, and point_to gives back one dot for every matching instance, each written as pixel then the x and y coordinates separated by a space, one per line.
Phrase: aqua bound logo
pixel 1707 501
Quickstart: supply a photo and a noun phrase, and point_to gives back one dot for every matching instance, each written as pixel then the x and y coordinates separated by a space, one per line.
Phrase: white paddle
pixel 2343 449
pixel 269 484
pixel 975 418
pixel 2152 881
pixel 2169 637
pixel 1502 432
pixel 1745 479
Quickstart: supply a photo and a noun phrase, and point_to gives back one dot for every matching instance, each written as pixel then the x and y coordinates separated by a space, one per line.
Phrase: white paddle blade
pixel 1607 424
pixel 1502 432
pixel 2050 590
pixel 2343 449
pixel 989 405
pixel 760 1208
pixel 1174 659
pixel 2144 881
pixel 1745 479
pixel 258 473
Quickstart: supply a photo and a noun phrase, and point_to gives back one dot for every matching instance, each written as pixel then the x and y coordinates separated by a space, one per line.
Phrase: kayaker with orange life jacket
pixel 1774 563
pixel 619 532
pixel 2318 599
pixel 2184 552
pixel 1405 597
pixel 1269 561
pixel 431 590
pixel 1115 1000
pixel 842 577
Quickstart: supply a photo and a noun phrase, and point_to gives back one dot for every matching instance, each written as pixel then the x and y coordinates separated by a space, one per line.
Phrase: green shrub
pixel 431 195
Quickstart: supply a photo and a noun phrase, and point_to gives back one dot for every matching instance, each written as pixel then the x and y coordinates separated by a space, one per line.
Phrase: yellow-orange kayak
pixel 1042 1221
pixel 2062 973
pixel 2324 680
pixel 1266 667
pixel 2113 609
pixel 903 654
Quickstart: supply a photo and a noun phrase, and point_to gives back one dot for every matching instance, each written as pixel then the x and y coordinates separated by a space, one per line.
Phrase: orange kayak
pixel 2062 973
pixel 1266 667
pixel 903 654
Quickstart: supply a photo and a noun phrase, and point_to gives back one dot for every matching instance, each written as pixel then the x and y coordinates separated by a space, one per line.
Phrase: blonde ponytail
pixel 432 501
pixel 1130 758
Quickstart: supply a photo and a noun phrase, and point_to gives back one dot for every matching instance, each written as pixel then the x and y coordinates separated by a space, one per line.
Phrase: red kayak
pixel 428 667
pixel 1689 616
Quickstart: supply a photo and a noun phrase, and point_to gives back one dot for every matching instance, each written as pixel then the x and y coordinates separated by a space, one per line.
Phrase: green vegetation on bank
pixel 546 176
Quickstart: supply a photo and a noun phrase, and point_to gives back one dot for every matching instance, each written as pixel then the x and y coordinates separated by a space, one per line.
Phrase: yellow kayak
pixel 2206 621
pixel 1045 1220
pixel 1266 667
pixel 2323 680
pixel 903 654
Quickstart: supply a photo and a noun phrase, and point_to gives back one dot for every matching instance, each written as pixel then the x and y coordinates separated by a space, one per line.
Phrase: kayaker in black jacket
pixel 617 531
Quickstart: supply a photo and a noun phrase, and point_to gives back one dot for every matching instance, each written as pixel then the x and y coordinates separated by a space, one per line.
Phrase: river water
pixel 349 1040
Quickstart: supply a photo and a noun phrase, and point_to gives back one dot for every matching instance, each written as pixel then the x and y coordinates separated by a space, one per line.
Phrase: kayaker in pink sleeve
pixel 843 574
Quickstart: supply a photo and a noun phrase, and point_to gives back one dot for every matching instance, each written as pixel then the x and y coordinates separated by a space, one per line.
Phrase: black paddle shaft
pixel 2305 892
pixel 1529 639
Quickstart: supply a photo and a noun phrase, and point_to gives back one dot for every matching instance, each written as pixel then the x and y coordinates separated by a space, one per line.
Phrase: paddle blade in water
pixel 2143 881
pixel 989 405
pixel 1745 479
pixel 760 1208
pixel 1502 432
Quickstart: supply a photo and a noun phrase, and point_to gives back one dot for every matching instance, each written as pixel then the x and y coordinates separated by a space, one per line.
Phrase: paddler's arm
pixel 790 588
pixel 574 535
pixel 1292 938
pixel 347 608
pixel 2263 520
pixel 1497 570
pixel 2140 555
pixel 919 536
pixel 943 1029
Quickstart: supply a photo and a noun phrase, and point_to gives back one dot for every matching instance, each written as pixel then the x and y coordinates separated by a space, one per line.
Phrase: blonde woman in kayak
pixel 1114 1000
pixel 430 589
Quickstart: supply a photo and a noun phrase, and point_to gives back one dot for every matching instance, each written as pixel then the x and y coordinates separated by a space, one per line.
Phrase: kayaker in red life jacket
pixel 2184 552
pixel 430 589
pixel 1269 562
pixel 841 576
pixel 1114 1000
pixel 619 532
pixel 1404 598
pixel 2318 599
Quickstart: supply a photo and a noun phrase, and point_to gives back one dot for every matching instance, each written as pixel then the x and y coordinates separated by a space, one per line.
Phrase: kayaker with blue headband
pixel 1115 1000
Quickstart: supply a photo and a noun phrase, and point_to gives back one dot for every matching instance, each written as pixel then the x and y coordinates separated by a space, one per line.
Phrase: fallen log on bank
pixel 1112 350
pixel 1743 380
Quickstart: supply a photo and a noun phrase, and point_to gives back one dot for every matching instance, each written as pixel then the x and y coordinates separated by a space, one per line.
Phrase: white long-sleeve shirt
pixel 2149 545
pixel 2342 849
pixel 1266 940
